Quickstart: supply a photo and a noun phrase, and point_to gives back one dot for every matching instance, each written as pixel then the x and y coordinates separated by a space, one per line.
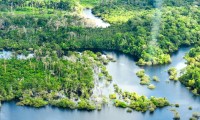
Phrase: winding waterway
pixel 123 73
pixel 98 22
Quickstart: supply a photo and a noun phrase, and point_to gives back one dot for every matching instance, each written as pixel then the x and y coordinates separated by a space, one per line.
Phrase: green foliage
pixel 155 78
pixel 159 102
pixel 176 105
pixel 64 103
pixel 139 103
pixel 141 73
pixel 172 74
pixel 196 115
pixel 151 86
pixel 121 104
pixel 120 11
pixel 113 96
pixel 129 110
pixel 89 3
pixel 137 18
pixel 85 105
pixel 50 4
pixel 49 27
pixel 46 80
pixel 31 26
pixel 35 102
pixel 144 79
pixel 176 116
pixel 191 76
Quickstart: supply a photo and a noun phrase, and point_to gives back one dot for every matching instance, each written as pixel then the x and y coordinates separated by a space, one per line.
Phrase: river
pixel 98 22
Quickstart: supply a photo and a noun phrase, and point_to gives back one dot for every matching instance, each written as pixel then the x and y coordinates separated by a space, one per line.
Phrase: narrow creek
pixel 98 22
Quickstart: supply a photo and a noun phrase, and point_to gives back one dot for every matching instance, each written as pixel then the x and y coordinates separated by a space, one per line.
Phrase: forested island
pixel 68 68
pixel 191 76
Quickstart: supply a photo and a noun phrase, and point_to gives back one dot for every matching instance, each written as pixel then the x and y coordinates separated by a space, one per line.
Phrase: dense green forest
pixel 29 24
pixel 122 10
pixel 191 76
pixel 49 79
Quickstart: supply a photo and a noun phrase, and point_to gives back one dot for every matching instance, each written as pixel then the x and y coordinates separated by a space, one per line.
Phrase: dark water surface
pixel 123 72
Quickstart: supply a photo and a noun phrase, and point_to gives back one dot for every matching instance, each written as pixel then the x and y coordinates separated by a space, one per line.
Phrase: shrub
pixel 85 105
pixel 176 116
pixel 129 110
pixel 35 102
pixel 196 115
pixel 176 105
pixel 64 103
pixel 113 96
pixel 151 109
pixel 155 78
pixel 140 73
pixel 173 74
pixel 151 86
pixel 121 104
